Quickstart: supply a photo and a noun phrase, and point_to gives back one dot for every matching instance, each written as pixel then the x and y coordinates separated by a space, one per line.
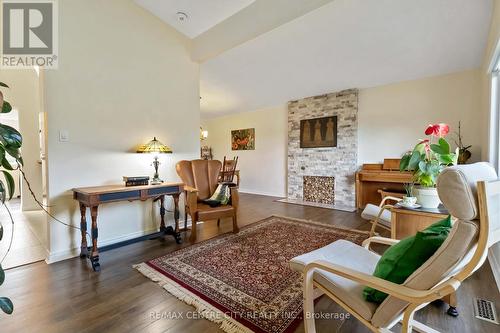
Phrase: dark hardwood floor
pixel 69 297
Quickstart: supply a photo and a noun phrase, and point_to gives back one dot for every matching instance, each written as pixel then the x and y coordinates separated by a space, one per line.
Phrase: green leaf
pixel 6 305
pixel 414 160
pixel 3 85
pixel 6 107
pixel 6 164
pixel 403 164
pixel 10 137
pixel 422 166
pixel 437 149
pixel 446 159
pixel 420 147
pixel 2 275
pixel 14 152
pixel 444 145
pixel 10 183
pixel 426 180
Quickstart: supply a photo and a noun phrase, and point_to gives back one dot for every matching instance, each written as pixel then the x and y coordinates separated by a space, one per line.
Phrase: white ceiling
pixel 203 14
pixel 347 44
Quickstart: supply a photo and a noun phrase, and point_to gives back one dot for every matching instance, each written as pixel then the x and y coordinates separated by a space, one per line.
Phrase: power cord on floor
pixel 42 206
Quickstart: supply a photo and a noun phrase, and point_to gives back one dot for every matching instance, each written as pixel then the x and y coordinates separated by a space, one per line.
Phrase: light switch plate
pixel 63 136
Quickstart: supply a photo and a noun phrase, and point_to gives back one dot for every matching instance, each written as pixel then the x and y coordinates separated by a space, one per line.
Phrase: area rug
pixel 243 281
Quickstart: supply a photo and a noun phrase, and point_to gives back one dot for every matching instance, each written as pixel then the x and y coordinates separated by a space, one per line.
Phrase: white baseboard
pixel 494 260
pixel 267 194
pixel 53 257
pixel 75 252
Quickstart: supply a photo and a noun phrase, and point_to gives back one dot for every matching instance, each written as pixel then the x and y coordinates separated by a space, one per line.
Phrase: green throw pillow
pixel 400 260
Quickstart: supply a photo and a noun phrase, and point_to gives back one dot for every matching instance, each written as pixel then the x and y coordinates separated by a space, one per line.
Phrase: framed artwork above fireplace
pixel 318 132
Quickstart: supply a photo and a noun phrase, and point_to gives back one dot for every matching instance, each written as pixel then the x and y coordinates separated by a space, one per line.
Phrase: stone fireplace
pixel 337 164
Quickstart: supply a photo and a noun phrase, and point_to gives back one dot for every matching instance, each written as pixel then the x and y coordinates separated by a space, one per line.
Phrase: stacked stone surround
pixel 339 162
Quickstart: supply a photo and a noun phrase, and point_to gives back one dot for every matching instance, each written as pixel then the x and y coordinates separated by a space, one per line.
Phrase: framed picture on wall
pixel 243 139
pixel 318 132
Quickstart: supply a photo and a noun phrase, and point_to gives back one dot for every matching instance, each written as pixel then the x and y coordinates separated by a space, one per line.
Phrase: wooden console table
pixel 407 222
pixel 92 197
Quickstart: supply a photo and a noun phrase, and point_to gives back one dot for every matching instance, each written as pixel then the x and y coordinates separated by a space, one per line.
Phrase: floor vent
pixel 485 310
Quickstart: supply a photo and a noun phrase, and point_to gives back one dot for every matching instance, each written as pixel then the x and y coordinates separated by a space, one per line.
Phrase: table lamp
pixel 155 147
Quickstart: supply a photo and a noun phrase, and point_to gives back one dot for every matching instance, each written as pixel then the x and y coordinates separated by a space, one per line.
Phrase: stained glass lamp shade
pixel 155 147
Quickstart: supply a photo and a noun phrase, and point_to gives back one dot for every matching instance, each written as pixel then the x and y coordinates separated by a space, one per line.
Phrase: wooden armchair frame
pixel 417 299
pixel 383 206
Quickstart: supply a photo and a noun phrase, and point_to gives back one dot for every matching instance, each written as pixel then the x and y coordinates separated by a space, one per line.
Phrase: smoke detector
pixel 181 16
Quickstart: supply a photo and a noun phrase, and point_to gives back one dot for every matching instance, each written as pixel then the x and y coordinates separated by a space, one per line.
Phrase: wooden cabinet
pixel 407 222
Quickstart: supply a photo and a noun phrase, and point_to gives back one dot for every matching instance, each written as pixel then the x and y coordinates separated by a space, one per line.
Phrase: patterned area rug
pixel 243 281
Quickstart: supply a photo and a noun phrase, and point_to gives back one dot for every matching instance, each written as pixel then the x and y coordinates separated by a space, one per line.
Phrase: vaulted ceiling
pixel 334 45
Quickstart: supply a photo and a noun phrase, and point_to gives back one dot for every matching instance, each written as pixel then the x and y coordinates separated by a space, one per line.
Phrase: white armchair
pixel 342 269
pixel 379 216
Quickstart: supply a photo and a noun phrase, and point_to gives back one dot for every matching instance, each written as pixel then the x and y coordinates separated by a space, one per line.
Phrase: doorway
pixel 25 240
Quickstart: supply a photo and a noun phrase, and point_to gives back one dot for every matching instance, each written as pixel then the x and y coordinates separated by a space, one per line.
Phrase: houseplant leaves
pixel 6 107
pixel 6 305
pixel 10 142
pixel 10 183
pixel 10 137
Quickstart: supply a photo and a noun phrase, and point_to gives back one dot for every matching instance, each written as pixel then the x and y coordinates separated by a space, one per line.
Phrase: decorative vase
pixel 427 197
pixel 463 155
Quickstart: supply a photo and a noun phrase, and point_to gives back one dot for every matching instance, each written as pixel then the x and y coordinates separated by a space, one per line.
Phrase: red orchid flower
pixel 437 130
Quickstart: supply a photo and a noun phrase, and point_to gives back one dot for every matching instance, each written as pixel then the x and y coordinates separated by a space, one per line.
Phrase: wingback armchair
pixel 201 179
pixel 340 270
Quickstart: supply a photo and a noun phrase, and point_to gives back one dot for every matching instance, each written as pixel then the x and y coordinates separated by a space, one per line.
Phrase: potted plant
pixel 10 144
pixel 463 151
pixel 429 157
pixel 409 199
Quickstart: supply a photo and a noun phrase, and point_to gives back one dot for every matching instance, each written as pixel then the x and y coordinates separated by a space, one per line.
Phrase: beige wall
pixel 123 77
pixel 263 170
pixel 393 117
pixel 391 120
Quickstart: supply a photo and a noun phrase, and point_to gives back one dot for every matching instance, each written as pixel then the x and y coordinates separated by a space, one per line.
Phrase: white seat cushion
pixel 371 211
pixel 349 255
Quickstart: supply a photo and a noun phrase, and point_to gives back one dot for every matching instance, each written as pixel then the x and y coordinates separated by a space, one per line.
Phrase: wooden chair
pixel 201 180
pixel 380 216
pixel 229 171
pixel 341 270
